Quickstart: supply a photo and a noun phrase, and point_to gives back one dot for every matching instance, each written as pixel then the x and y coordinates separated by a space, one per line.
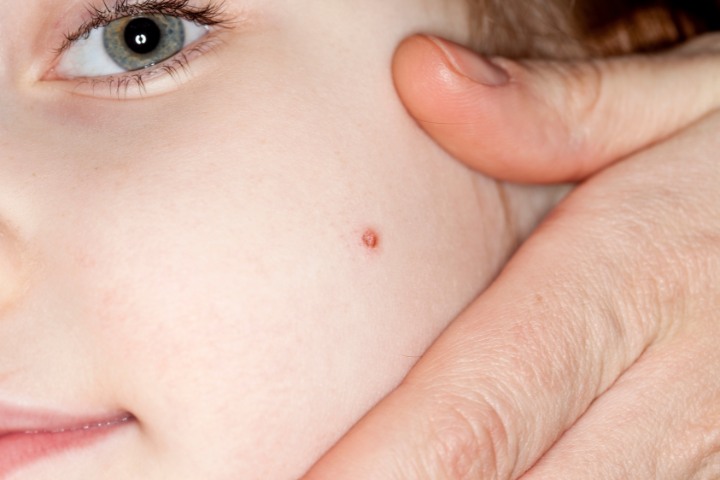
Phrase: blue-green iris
pixel 135 43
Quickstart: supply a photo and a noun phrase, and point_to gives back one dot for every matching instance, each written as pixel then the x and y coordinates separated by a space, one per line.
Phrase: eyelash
pixel 212 14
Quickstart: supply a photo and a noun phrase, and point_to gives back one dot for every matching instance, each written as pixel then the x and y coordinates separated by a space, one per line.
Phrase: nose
pixel 10 267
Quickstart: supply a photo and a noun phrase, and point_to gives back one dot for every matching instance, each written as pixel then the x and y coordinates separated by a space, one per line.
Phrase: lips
pixel 29 435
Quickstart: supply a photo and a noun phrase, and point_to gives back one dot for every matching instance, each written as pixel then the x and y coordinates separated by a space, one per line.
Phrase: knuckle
pixel 572 94
pixel 657 243
pixel 584 84
pixel 671 271
pixel 573 90
pixel 471 442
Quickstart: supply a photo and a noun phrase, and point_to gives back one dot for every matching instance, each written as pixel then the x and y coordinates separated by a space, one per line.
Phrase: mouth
pixel 28 436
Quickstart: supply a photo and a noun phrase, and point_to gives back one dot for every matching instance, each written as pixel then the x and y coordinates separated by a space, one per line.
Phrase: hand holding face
pixel 595 354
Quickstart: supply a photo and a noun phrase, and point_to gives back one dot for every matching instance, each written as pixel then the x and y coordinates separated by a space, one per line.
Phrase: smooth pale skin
pixel 194 256
pixel 594 355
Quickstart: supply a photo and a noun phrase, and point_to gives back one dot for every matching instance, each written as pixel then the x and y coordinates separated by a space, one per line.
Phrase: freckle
pixel 370 239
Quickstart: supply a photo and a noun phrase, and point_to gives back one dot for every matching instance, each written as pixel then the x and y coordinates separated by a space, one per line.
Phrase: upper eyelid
pixel 223 16
pixel 212 14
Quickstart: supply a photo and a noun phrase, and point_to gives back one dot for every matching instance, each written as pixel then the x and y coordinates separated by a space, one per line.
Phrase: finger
pixel 592 290
pixel 549 121
pixel 495 391
pixel 661 420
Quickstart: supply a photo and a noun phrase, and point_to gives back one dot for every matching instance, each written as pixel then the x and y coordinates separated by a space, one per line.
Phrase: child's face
pixel 195 257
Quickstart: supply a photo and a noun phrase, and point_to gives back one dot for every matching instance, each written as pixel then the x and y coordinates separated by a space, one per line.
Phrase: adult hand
pixel 551 121
pixel 595 353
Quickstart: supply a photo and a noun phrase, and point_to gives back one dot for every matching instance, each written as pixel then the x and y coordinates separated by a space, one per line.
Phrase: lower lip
pixel 20 449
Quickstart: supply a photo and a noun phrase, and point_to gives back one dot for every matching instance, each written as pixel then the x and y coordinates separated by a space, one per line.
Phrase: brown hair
pixel 580 28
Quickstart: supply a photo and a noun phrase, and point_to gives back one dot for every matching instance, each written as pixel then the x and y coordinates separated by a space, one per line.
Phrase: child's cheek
pixel 252 280
pixel 228 267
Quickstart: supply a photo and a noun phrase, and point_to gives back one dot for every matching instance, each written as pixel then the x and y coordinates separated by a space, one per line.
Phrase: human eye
pixel 129 43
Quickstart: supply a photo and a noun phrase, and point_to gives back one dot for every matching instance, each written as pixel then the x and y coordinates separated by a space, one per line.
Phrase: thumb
pixel 551 121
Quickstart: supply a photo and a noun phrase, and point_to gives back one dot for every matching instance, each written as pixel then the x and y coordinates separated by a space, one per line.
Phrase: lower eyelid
pixel 159 79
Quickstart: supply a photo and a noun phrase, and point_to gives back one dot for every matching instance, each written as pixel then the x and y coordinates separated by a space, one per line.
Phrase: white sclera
pixel 87 57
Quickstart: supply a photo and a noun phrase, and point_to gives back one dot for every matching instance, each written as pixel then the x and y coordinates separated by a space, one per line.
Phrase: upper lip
pixel 23 419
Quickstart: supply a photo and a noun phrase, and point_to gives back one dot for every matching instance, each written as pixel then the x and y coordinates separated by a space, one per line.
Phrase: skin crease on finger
pixel 245 260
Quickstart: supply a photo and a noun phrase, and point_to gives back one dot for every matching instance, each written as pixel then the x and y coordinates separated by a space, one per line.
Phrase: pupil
pixel 142 35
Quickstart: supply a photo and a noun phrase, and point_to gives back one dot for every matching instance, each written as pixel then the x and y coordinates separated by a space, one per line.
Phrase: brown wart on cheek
pixel 371 239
